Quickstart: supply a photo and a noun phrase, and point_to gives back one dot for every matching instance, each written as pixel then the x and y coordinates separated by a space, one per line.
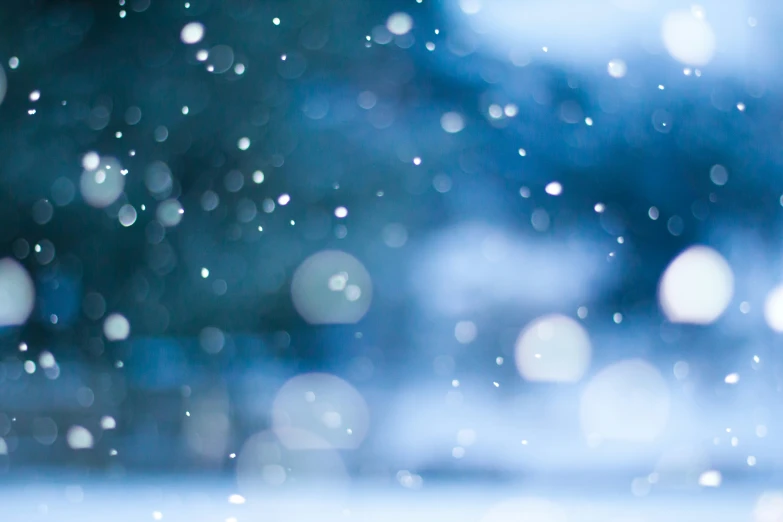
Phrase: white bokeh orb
pixel 331 287
pixel 526 509
pixel 452 122
pixel 399 23
pixel 553 348
pixel 696 287
pixel 617 68
pixel 79 438
pixel 192 33
pixel 17 293
pixel 773 309
pixel 169 213
pixel 116 327
pixel 688 37
pixel 100 187
pixel 627 401
pixel 321 404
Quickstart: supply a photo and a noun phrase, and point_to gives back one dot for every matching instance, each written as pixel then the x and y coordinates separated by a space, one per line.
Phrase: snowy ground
pixel 191 501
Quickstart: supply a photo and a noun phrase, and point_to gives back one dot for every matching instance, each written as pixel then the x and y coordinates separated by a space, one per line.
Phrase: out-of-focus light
pixel 91 161
pixel 710 479
pixel 452 122
pixel 394 235
pixel 696 287
pixel 212 339
pixel 323 405
pixel 688 38
pixel 732 378
pixel 681 370
pixel 116 327
pixel 108 423
pixel 470 7
pixel 127 215
pixel 35 96
pixel 102 185
pixel 283 199
pixel 773 309
pixel 265 465
pixel 17 294
pixel 79 438
pixel 554 188
pixel 399 23
pixel 318 298
pixel 192 33
pixel 719 175
pixel 522 152
pixel 258 177
pixel 465 332
pixel 46 360
pixel 553 348
pixel 243 143
pixel 626 401
pixel 617 68
pixel 341 212
pixel 589 122
pixel 169 213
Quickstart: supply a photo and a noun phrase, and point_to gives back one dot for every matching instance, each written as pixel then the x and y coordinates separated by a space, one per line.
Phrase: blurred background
pixel 469 260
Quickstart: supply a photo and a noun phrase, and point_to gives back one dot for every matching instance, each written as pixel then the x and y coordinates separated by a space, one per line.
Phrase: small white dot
pixel 35 96
pixel 205 273
pixel 341 212
pixel 617 318
pixel 417 161
pixel 522 152
pixel 276 21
